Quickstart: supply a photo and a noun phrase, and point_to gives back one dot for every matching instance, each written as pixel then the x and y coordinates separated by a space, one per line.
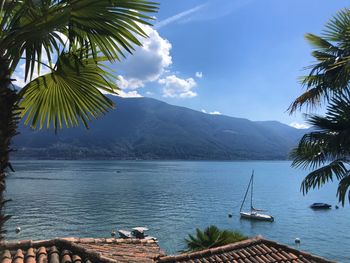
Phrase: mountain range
pixel 145 128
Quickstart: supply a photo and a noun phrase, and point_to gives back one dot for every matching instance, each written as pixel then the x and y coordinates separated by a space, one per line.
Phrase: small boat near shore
pixel 124 234
pixel 137 232
pixel 320 206
pixel 253 214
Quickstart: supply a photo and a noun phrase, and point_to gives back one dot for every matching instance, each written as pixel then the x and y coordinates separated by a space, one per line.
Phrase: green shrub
pixel 212 237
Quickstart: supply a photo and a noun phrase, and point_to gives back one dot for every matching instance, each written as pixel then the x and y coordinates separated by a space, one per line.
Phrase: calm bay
pixel 172 198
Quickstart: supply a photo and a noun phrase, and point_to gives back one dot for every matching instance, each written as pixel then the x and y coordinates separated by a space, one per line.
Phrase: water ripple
pixel 90 198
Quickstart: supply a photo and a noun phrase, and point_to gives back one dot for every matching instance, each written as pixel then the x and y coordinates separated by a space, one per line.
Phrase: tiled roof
pixel 83 250
pixel 256 250
pixel 110 250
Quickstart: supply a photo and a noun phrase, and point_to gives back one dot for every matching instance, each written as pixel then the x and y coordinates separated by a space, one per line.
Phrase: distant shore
pixel 26 158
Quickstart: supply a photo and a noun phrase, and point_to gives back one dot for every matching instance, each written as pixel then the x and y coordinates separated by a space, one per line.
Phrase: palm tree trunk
pixel 8 126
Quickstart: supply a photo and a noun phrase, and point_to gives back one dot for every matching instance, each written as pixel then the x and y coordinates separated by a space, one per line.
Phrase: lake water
pixel 90 198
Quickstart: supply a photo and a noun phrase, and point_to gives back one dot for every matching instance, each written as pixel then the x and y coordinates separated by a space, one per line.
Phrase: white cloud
pixel 147 63
pixel 199 75
pixel 179 16
pixel 130 83
pixel 211 112
pixel 298 125
pixel 129 94
pixel 175 87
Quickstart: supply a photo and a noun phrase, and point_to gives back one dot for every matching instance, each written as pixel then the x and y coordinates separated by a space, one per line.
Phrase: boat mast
pixel 251 193
pixel 246 192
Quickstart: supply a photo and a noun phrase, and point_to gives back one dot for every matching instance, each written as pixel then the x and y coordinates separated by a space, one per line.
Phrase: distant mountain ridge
pixel 145 128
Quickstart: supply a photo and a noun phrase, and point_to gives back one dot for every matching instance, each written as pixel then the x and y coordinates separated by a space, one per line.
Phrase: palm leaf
pixel 109 26
pixel 322 44
pixel 343 189
pixel 194 243
pixel 211 237
pixel 326 149
pixel 338 28
pixel 321 176
pixel 330 75
pixel 316 149
pixel 69 95
pixel 37 37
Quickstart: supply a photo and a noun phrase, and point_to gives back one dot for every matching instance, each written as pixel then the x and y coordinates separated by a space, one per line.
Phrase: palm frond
pixel 50 30
pixel 212 237
pixel 110 26
pixel 311 97
pixel 321 176
pixel 318 148
pixel 33 33
pixel 326 150
pixel 39 29
pixel 338 29
pixel 322 45
pixel 343 189
pixel 6 14
pixel 330 75
pixel 69 95
pixel 336 123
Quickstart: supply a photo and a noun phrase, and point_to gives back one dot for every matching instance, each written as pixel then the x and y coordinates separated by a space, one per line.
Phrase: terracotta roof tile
pixel 110 250
pixel 256 250
pixel 84 250
pixel 76 259
pixel 30 256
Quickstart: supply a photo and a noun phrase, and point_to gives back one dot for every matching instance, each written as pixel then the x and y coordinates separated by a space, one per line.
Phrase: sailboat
pixel 253 214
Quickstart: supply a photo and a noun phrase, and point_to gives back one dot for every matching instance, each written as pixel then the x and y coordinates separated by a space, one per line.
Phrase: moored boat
pixel 253 214
pixel 320 206
pixel 257 216
pixel 124 234
pixel 137 232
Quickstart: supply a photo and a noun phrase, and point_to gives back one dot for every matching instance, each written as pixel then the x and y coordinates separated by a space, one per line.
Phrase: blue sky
pixel 247 55
pixel 239 58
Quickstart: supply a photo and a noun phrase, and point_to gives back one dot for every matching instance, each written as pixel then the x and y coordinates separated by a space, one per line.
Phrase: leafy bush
pixel 212 237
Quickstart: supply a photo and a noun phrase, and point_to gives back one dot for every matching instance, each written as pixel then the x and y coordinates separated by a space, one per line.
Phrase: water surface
pixel 91 198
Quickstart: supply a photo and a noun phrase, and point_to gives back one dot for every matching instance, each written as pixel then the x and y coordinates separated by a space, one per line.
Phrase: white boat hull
pixel 256 216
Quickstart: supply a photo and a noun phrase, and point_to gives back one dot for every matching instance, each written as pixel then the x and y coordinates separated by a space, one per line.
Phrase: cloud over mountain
pixel 175 87
pixel 147 63
pixel 298 125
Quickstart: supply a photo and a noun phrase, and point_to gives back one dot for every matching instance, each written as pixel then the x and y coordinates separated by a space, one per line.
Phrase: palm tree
pixel 330 75
pixel 212 237
pixel 72 40
pixel 326 149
